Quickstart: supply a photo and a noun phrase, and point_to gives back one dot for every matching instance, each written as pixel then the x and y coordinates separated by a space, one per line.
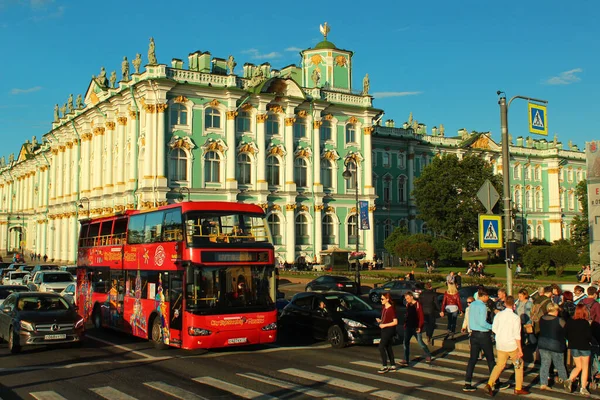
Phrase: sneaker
pixel 584 392
pixel 488 390
pixel 544 387
pixel 521 392
pixel 393 368
pixel 383 370
pixel 469 388
pixel 428 360
pixel 403 363
pixel 568 385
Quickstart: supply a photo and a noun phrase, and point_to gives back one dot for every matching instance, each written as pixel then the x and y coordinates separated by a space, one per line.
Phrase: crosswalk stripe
pixel 357 387
pixel 386 394
pixel 530 365
pixel 233 389
pixel 286 385
pixel 433 367
pixel 111 393
pixel 47 395
pixel 406 371
pixel 399 382
pixel 174 391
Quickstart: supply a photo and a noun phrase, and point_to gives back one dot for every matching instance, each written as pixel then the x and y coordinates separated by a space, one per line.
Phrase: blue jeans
pixel 452 317
pixel 552 357
pixel 408 334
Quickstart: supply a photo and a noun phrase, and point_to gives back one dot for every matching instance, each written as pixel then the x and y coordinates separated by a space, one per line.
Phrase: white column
pixel 318 240
pixel 54 175
pixel 86 158
pixel 230 180
pixel 108 176
pixel 290 235
pixel 370 240
pixel 70 172
pixel 133 173
pixel 317 156
pixel 290 185
pixel 60 190
pixel 98 158
pixel 44 229
pixel 261 182
pixel 161 171
pixel 148 148
pixel 368 155
pixel 122 144
pixel 554 210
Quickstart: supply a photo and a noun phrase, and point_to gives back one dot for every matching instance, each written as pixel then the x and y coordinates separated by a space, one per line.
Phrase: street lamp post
pixel 181 189
pixel 87 200
pixel 504 105
pixel 347 174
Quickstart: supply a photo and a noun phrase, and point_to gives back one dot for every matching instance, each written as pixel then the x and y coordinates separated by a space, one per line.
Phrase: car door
pixel 318 283
pixel 6 317
pixel 320 319
pixel 300 313
pixel 398 291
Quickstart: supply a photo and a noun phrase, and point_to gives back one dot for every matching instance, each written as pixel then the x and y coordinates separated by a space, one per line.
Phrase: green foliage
pixel 446 196
pixel 447 249
pixel 416 252
pixel 535 258
pixel 580 235
pixel 561 255
pixel 390 243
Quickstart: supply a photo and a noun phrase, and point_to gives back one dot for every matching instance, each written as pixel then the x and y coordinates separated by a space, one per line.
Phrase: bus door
pixel 116 296
pixel 176 307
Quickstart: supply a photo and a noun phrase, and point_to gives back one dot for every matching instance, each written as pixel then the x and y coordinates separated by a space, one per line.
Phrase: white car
pixel 14 278
pixel 51 281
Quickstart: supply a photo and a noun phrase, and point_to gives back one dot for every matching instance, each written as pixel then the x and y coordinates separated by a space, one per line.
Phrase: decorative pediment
pixel 356 157
pixel 180 99
pixel 181 142
pixel 247 107
pixel 353 120
pixel 215 145
pixel 277 109
pixel 303 152
pixel 247 148
pixel 330 155
pixel 214 103
pixel 302 114
pixel 276 150
pixel 94 92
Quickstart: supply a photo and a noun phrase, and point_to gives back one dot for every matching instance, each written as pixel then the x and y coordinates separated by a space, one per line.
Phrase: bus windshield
pixel 208 228
pixel 222 290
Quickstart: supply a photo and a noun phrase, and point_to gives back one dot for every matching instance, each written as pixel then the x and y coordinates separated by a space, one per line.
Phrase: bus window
pixel 106 232
pixel 153 227
pixel 120 231
pixel 173 229
pixel 135 230
pixel 83 234
pixel 93 234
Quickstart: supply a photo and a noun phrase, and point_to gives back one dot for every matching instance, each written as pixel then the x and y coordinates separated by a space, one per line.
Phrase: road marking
pixel 47 395
pixel 357 387
pixel 269 350
pixel 174 391
pixel 530 365
pixel 386 394
pixel 77 365
pixel 118 346
pixel 420 366
pixel 112 394
pixel 233 389
pixel 286 385
pixel 406 371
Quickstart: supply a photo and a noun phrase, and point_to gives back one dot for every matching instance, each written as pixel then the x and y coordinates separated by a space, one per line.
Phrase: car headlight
pixel 79 323
pixel 198 331
pixel 353 324
pixel 270 327
pixel 27 326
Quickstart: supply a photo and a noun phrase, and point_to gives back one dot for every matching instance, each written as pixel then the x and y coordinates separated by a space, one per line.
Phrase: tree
pixel 580 234
pixel 561 255
pixel 446 196
pixel 536 257
pixel 447 250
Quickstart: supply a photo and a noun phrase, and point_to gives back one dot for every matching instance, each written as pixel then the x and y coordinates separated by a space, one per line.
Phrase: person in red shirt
pixel 413 326
pixel 387 323
pixel 451 307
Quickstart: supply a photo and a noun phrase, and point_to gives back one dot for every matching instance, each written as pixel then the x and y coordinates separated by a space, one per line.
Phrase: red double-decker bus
pixel 189 275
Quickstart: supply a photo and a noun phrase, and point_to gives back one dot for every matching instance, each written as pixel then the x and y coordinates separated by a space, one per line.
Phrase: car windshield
pixel 7 291
pixel 340 278
pixel 57 278
pixel 42 304
pixel 346 302
pixel 17 275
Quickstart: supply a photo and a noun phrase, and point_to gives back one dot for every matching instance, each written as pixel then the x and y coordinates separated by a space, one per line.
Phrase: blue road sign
pixel 490 231
pixel 538 119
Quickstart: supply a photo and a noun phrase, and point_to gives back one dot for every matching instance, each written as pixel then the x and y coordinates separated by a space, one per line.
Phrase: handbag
pixel 528 328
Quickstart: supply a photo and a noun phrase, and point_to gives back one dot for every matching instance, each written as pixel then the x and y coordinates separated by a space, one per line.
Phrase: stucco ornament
pixel 316 76
pixel 125 69
pixel 151 53
pixel 181 142
pixel 257 77
pixel 137 62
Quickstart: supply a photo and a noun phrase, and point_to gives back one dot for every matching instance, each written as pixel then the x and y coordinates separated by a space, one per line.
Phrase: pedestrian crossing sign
pixel 538 119
pixel 490 231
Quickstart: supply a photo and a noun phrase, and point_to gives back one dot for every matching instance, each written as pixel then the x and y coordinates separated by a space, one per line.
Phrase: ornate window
pixel 327 174
pixel 528 172
pixel 244 169
pixel 328 230
pixel 517 171
pixel 570 174
pixel 178 165
pixel 351 183
pixel 299 130
pixel 352 229
pixel 274 223
pixel 325 132
pixel 302 235
pixel 423 163
pixel 539 200
pixel 273 170
pixel 538 173
pixel 528 200
pixel 517 197
pixel 272 127
pixel 579 174
pixel 179 114
pixel 301 172
pixel 402 161
pixel 387 228
pixel 243 121
pixel 571 200
pixel 402 189
pixel 424 228
pixel 387 189
pixel 212 167
pixel 539 232
pixel 350 133
pixel 212 118
pixel 386 159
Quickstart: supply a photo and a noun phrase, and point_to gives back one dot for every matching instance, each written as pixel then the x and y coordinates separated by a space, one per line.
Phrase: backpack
pixel 537 311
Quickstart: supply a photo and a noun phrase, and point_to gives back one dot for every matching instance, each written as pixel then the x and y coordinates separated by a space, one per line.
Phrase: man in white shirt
pixel 507 327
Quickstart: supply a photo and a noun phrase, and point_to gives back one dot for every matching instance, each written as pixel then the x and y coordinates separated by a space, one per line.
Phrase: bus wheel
pixel 97 317
pixel 156 334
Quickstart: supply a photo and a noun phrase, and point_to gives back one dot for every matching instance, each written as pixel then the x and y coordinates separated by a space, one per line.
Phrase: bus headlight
pixel 198 331
pixel 270 327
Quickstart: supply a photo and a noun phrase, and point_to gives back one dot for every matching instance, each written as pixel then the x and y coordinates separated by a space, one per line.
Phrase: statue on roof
pixel 415 125
pixel 570 144
pixel 125 70
pixel 34 142
pixel 79 102
pixel 257 77
pixel 11 158
pixel 316 77
pixel 151 53
pixel 70 103
pixel 2 162
pixel 101 78
pixel 442 130
pixel 555 140
pixel 366 85
pixel 410 119
pixel 63 110
pixel 56 114
pixel 113 79
pixel 137 62
pixel 324 30
pixel 529 141
pixel 231 64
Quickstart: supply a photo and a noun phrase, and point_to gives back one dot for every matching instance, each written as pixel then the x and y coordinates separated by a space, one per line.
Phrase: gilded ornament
pixel 160 108
pixel 62 148
pixel 98 131
pixel 133 114
pixel 341 61
pixel 319 207
pixel 180 99
pixel 69 145
pixel 290 121
pixel 372 208
pixel 368 130
pixel 317 124
pixel 328 117
pixel 302 114
pixel 483 142
pixel 110 126
pixel 316 59
pixel 231 115
pixel 331 155
pixel 352 120
pixel 303 208
pixel 214 103
pixel 277 109
pixel 261 118
pixel 149 108
pixel 247 148
pixel 122 120
pixel 276 207
pixel 276 150
pixel 247 107
pixel 290 207
pixel 306 153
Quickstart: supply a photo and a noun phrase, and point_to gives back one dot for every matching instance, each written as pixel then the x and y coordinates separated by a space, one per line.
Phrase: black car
pixel 397 289
pixel 34 318
pixel 339 317
pixel 332 282
pixel 7 290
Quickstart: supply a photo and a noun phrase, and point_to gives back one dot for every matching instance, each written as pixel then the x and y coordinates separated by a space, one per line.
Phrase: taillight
pixel 340 285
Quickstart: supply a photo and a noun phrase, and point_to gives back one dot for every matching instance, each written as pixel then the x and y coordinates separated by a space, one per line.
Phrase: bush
pixel 561 255
pixel 536 258
pixel 447 249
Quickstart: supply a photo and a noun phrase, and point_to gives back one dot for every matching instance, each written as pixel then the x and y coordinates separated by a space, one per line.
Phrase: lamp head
pixel 347 174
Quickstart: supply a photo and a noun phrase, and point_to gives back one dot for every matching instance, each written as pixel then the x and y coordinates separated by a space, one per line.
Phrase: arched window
pixel 570 174
pixel 402 189
pixel 540 232
pixel 561 199
pixel 528 200
pixel 387 189
pixel 387 228
pixel 539 204
pixel 328 230
pixel 275 228
pixel 325 131
pixel 424 228
pixel 538 173
pixel 178 166
pixel 528 172
pixel 302 236
pixel 178 114
pixel 571 200
pixel 212 167
pixel 386 159
pixel 244 169
pixel 401 161
pixel 351 183
pixel 350 133
pixel 517 197
pixel 301 172
pixel 212 118
pixel 352 229
pixel 327 174
pixel 517 172
pixel 273 170
pixel 272 127
pixel 299 129
pixel 529 234
pixel 243 122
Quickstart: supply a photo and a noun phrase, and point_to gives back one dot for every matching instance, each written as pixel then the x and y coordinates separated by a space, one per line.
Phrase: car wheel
pixel 309 289
pixel 374 297
pixel 13 342
pixel 156 338
pixel 336 337
pixel 97 317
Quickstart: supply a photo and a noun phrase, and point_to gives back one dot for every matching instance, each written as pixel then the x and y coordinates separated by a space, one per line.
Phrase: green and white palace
pixel 208 129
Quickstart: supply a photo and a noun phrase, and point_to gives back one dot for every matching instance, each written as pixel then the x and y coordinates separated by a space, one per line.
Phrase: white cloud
pixel 255 54
pixel 382 95
pixel 565 78
pixel 26 91
pixel 293 49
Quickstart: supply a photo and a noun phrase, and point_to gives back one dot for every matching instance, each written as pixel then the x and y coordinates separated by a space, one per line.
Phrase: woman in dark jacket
pixel 551 344
pixel 568 306
pixel 579 335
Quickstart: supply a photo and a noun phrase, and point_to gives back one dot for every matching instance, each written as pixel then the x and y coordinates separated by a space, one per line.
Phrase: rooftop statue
pixel 151 53
pixel 137 62
pixel 113 79
pixel 11 158
pixel 63 110
pixel 442 130
pixel 231 64
pixel 366 84
pixel 257 77
pixel 2 162
pixel 34 142
pixel 316 77
pixel 410 119
pixel 125 69
pixel 70 103
pixel 56 114
pixel 79 102
pixel 101 78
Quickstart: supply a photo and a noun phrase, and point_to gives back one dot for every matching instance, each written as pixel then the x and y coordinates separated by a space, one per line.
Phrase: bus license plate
pixel 55 337
pixel 237 340
pixel 376 341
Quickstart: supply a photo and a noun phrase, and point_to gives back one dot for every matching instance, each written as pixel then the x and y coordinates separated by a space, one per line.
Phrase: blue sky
pixel 443 61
